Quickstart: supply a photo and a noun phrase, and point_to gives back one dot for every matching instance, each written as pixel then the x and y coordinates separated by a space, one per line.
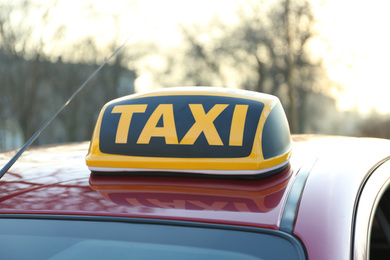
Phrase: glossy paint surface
pixel 324 220
pixel 55 180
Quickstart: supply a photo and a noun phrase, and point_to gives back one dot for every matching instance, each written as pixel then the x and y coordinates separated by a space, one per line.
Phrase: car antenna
pixel 32 139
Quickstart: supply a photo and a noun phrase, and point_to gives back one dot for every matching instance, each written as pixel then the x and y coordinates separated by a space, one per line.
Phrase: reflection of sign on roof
pixel 244 195
pixel 202 130
pixel 188 202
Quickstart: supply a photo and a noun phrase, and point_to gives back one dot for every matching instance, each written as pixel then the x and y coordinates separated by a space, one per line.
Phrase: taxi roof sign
pixel 192 129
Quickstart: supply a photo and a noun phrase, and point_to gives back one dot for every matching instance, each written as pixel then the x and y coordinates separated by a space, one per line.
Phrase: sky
pixel 146 19
pixel 358 30
pixel 356 57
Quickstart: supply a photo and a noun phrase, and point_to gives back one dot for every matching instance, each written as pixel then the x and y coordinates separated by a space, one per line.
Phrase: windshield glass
pixel 80 239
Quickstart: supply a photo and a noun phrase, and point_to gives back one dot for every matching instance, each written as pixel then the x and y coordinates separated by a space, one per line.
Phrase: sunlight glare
pixel 358 60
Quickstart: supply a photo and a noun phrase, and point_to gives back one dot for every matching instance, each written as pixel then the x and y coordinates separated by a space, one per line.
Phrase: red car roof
pixel 54 180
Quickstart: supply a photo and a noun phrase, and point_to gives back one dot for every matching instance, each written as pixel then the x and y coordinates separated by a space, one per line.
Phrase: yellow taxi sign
pixel 198 130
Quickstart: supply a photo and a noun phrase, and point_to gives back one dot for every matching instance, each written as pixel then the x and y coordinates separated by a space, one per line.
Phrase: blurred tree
pixel 266 51
pixel 34 84
pixel 22 43
pixel 375 125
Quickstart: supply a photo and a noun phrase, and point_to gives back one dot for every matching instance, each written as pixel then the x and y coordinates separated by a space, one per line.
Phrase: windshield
pixel 81 239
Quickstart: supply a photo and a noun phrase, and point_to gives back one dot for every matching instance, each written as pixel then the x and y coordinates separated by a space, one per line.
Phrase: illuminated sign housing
pixel 198 130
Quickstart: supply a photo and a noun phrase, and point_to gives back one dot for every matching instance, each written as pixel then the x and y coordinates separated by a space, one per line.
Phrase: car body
pixel 331 201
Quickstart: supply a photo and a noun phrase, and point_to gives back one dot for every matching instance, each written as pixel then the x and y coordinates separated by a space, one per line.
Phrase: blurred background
pixel 326 60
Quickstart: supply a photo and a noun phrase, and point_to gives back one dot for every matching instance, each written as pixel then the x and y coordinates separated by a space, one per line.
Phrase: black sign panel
pixel 181 126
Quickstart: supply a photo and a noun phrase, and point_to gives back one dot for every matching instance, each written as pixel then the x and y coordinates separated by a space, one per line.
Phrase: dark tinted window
pixel 81 239
pixel 380 231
